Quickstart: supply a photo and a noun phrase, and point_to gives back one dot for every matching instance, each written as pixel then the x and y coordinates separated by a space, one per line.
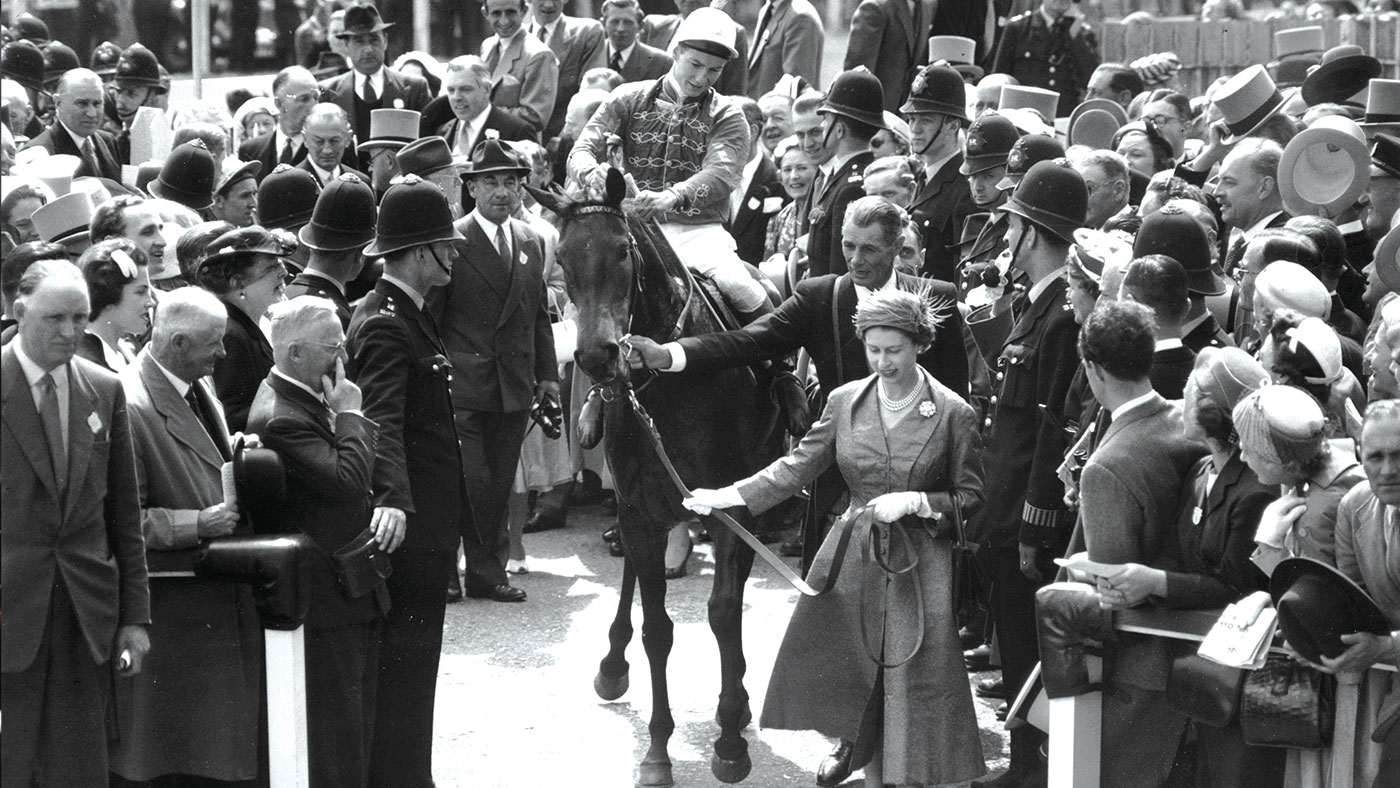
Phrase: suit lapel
pixel 1037 310
pixel 1143 411
pixel 905 20
pixel 516 267
pixel 22 417
pixel 81 407
pixel 180 421
pixel 315 409
pixel 476 237
pixel 934 186
pixel 845 328
pixel 776 13
pixel 1229 477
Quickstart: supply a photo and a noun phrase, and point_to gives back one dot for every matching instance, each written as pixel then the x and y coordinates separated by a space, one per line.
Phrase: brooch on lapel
pixel 927 409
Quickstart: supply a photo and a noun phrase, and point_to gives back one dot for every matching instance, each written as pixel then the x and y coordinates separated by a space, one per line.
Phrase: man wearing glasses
pixel 295 93
pixel 1171 111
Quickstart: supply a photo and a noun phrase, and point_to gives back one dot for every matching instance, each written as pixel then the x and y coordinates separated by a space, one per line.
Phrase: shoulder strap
pixel 836 330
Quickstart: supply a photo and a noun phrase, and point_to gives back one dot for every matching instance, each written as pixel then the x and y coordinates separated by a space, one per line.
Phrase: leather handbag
pixel 1286 704
pixel 970 581
pixel 360 565
pixel 1203 689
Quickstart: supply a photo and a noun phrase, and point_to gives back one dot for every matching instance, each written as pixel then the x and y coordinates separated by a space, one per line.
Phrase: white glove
pixel 1278 518
pixel 892 506
pixel 702 502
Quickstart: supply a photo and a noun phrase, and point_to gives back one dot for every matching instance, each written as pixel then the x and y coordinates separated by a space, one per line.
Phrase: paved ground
pixel 516 705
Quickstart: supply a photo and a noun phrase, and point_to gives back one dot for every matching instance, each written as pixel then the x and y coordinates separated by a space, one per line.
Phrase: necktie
pixel 370 96
pixel 289 153
pixel 1235 255
pixel 616 62
pixel 53 429
pixel 200 413
pixel 543 33
pixel 90 156
pixel 502 245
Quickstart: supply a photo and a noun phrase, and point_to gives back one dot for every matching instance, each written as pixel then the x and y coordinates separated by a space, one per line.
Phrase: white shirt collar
pixel 1167 344
pixel 625 55
pixel 182 387
pixel 549 28
pixel 316 395
pixel 76 138
pixel 322 175
pixel 376 79
pixel 32 371
pixel 1132 403
pixel 469 131
pixel 736 195
pixel 1351 227
pixel 489 227
pixel 1263 222
pixel 890 284
pixel 413 295
pixel 932 169
pixel 283 137
pixel 834 165
pixel 1044 284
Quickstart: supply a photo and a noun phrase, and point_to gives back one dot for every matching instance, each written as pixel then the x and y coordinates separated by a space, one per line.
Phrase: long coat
pixel 203 678
pixel 824 677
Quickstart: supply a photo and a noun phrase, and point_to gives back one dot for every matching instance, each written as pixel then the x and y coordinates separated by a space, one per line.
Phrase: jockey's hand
pixel 650 205
pixel 595 182
pixel 645 353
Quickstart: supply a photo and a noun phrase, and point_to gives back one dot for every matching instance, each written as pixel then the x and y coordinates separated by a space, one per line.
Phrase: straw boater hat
pixel 1317 604
pixel 1094 122
pixel 1325 169
pixel 1246 101
pixel 1344 72
pixel 958 52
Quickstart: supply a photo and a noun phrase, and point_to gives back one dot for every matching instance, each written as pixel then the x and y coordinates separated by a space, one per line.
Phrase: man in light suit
pixel 467 94
pixel 495 323
pixel 74 570
pixel 524 72
pixel 76 130
pixel 204 679
pixel 578 45
pixel 635 60
pixel 370 84
pixel 788 40
pixel 659 30
pixel 758 196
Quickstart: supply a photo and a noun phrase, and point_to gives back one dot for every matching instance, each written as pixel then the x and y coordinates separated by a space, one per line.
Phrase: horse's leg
pixel 611 682
pixel 646 550
pixel 733 562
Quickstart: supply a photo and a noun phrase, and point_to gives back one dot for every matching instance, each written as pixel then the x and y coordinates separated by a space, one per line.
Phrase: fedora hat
pixel 362 18
pixel 23 62
pixel 1026 153
pixel 391 128
pixel 104 59
pixel 858 94
pixel 494 155
pixel 937 89
pixel 1095 250
pixel 1385 155
pixel 56 171
pixel 958 51
pixel 64 220
pixel 137 67
pixel 187 176
pixel 1387 259
pixel 712 32
pixel 426 156
pixel 413 212
pixel 1094 122
pixel 245 241
pixel 1325 169
pixel 1317 604
pixel 1344 71
pixel 1024 97
pixel 344 216
pixel 1176 234
pixel 59 59
pixel 990 139
pixel 286 197
pixel 1298 41
pixel 232 170
pixel 1246 101
pixel 1052 195
pixel 1292 71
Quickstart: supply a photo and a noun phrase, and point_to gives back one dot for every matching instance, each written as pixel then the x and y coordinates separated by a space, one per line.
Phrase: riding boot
pixel 1068 614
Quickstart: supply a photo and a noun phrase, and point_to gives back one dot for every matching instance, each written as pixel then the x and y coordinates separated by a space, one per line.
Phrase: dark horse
pixel 713 426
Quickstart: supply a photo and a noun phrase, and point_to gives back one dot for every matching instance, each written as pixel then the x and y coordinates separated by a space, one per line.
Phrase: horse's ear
pixel 617 187
pixel 554 201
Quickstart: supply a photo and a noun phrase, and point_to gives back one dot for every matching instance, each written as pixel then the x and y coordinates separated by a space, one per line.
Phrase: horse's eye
pixel 622 250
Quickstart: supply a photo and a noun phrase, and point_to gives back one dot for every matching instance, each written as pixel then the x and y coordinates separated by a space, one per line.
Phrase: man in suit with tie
pixel 370 84
pixel 1248 191
pixel 495 322
pixel 759 194
pixel 295 93
pixel 890 38
pixel 467 92
pixel 635 60
pixel 204 679
pixel 524 71
pixel 788 40
pixel 420 503
pixel 936 110
pixel 851 116
pixel 341 225
pixel 74 568
pixel 327 137
pixel 578 45
pixel 76 130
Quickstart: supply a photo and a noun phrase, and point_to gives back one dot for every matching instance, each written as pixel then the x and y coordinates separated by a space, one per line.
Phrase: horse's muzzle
pixel 602 361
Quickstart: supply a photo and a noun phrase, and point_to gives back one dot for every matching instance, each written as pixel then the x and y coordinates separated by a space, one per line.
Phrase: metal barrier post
pixel 199 44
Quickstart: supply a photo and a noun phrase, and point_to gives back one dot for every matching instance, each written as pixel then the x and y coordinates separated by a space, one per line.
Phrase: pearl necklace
pixel 895 407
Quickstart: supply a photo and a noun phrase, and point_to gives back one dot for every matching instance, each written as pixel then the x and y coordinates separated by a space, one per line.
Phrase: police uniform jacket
pixel 828 211
pixel 1025 427
pixel 1207 333
pixel 314 284
pixel 401 366
pixel 1061 57
pixel 940 208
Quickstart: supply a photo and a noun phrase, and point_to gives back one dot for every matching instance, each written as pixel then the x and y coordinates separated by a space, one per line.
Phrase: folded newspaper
pixel 1242 635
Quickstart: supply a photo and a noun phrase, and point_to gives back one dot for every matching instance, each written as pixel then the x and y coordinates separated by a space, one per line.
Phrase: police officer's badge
pixel 1016 160
pixel 974 143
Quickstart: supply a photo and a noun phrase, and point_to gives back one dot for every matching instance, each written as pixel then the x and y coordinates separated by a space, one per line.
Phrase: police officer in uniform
pixel 341 225
pixel 1051 47
pixel 990 140
pixel 978 263
pixel 400 365
pixel 851 115
pixel 937 111
pixel 1024 523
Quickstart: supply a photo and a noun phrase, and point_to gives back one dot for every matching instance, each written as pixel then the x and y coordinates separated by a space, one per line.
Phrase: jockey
pixel 685 147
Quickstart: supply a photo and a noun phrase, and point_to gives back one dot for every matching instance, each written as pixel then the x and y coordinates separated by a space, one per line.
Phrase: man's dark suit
pixel 263 149
pixel 646 62
pixel 579 45
pixel 312 283
pixel 399 362
pixel 305 164
pixel 846 185
pixel 495 326
pixel 790 43
pixel 328 461
pixel 658 30
pixel 401 91
pixel 891 42
pixel 55 139
pixel 940 209
pixel 1170 369
pixel 762 201
pixel 74 570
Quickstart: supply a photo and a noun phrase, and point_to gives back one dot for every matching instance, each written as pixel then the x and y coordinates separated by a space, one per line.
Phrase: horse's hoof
pixel 654 775
pixel 610 688
pixel 727 771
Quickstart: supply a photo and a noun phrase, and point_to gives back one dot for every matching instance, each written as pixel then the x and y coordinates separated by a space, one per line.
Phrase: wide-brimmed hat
pixel 937 89
pixel 232 170
pixel 1292 71
pixel 712 32
pixel 1317 604
pixel 344 217
pixel 1176 234
pixel 247 241
pixel 1095 250
pixel 426 156
pixel 1387 259
pixel 286 197
pixel 1325 169
pixel 494 155
pixel 138 67
pixel 1043 101
pixel 1344 71
pixel 413 212
pixel 59 59
pixel 858 94
pixel 1052 195
pixel 1298 41
pixel 1094 122
pixel 23 62
pixel 362 18
pixel 1247 100
pixel 990 139
pixel 391 128
pixel 187 176
pixel 959 53
pixel 104 59
pixel 1028 151
pixel 64 220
